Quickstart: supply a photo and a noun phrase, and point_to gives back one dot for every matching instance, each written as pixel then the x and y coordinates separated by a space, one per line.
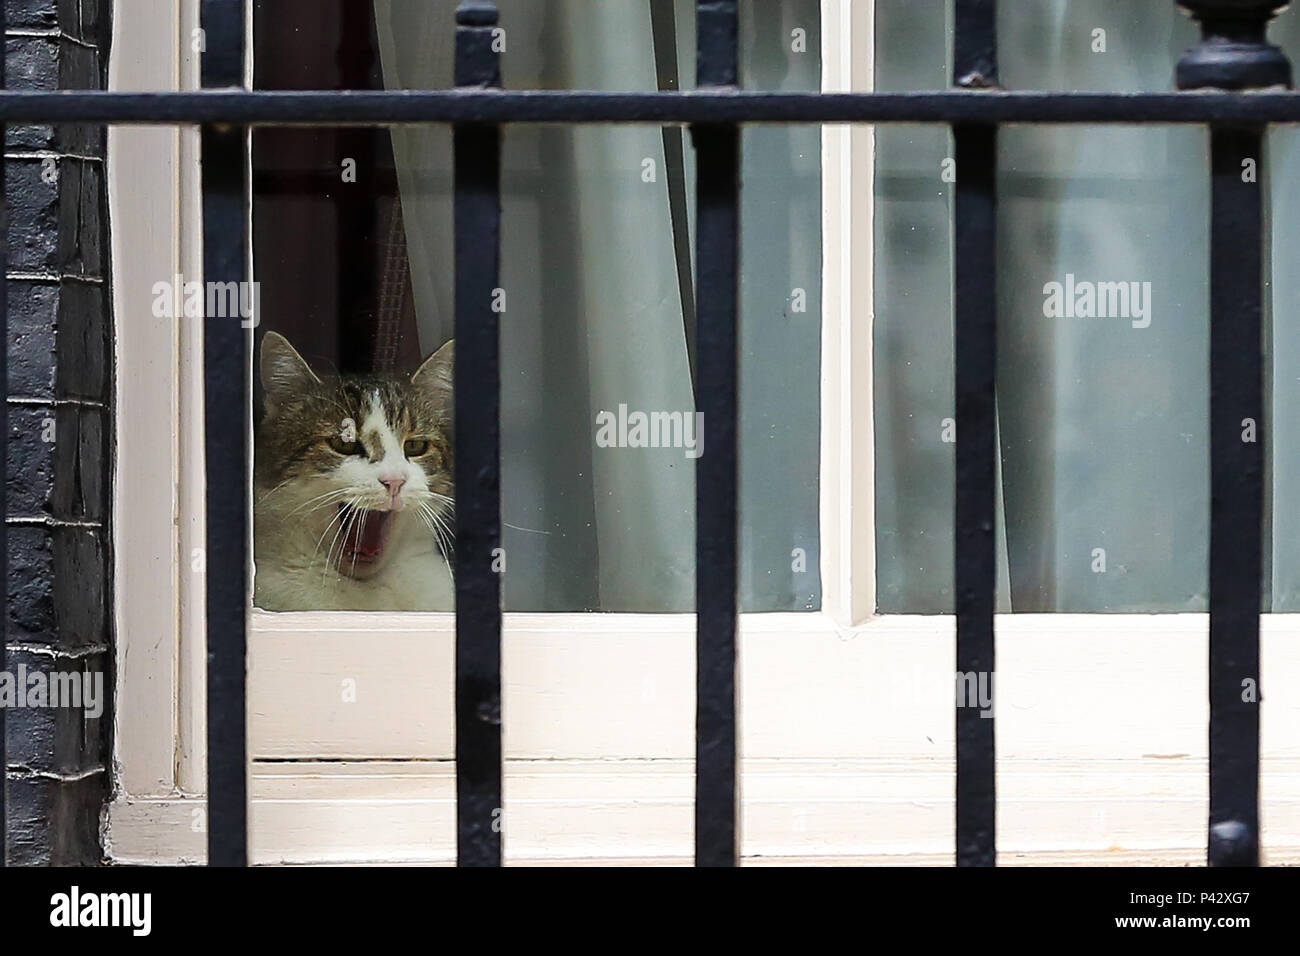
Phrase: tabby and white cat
pixel 353 487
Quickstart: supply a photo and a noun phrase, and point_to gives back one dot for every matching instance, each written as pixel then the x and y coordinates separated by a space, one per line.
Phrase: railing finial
pixel 1234 52
pixel 476 13
pixel 477 60
pixel 717 60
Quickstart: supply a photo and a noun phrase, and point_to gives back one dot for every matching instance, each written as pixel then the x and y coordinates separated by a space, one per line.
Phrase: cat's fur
pixel 333 528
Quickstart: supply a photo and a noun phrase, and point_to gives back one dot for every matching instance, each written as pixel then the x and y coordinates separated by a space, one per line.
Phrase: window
pixel 1103 410
pixel 353 252
pixel 351 749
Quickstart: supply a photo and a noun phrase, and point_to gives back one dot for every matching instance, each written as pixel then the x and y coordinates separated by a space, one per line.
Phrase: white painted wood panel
pixel 613 686
pixel 143 181
pixel 1119 811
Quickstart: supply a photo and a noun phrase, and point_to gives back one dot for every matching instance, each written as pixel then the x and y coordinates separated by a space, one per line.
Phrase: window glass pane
pixel 597 267
pixel 1282 448
pixel 1103 335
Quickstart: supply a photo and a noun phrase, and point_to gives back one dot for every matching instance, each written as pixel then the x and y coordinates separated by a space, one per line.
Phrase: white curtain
pixel 1103 425
pixel 593 314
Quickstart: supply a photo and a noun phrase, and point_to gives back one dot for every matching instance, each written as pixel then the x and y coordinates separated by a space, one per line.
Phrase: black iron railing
pixel 477 204
pixel 4 457
pixel 1232 58
pixel 975 345
pixel 226 426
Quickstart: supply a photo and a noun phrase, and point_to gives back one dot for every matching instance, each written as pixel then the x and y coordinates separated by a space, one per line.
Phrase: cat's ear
pixel 284 372
pixel 435 375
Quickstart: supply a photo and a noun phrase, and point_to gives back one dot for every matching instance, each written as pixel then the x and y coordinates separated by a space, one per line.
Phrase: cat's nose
pixel 394 486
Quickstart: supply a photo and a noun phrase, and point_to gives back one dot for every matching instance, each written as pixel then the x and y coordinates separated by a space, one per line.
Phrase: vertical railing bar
pixel 477 216
pixel 717 793
pixel 4 452
pixel 1234 54
pixel 1236 494
pixel 225 423
pixel 975 347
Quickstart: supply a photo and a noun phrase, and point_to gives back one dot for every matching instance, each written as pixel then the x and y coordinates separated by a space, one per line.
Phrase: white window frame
pixel 847 718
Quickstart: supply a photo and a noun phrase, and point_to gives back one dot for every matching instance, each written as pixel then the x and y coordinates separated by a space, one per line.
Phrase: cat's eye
pixel 415 447
pixel 346 447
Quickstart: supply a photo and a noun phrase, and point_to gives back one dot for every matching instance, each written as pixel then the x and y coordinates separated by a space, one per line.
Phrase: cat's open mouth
pixel 365 537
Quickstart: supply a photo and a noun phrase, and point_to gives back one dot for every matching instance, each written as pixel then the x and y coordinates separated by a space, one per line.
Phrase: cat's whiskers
pixel 421 513
pixel 448 536
pixel 286 481
pixel 358 517
pixel 446 504
pixel 345 529
pixel 328 562
pixel 312 560
pixel 439 526
pixel 323 499
pixel 326 559
pixel 437 531
pixel 325 569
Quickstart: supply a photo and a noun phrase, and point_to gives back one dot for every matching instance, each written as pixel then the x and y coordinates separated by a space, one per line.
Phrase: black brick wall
pixel 60 433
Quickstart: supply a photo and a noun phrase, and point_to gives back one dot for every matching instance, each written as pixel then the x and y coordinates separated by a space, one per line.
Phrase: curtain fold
pixel 1103 419
pixel 593 317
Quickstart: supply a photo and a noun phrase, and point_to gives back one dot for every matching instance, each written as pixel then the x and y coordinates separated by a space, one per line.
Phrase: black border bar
pixel 4 452
pixel 477 212
pixel 396 107
pixel 226 423
pixel 717 791
pixel 975 358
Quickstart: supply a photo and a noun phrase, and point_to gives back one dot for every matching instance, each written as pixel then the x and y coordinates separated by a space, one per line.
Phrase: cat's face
pixel 361 462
